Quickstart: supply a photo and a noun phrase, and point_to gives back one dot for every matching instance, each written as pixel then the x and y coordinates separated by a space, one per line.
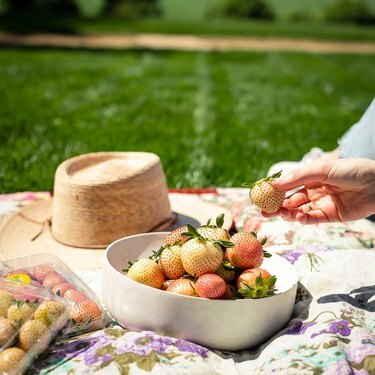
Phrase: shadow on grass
pixel 31 23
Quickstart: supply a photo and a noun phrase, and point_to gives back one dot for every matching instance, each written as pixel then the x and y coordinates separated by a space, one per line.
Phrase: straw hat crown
pixel 101 197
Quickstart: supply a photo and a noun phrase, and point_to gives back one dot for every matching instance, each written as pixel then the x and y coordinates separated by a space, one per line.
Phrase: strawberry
pixel 30 332
pixel 61 288
pixel 184 287
pixel 214 232
pixel 85 311
pixel 148 272
pixel 52 279
pixel 199 255
pixel 265 196
pixel 7 331
pixel 21 311
pixel 226 271
pixel 170 262
pixel 176 237
pixel 167 283
pixel 10 358
pixel 210 285
pixel 40 272
pixel 256 283
pixel 231 293
pixel 6 299
pixel 48 312
pixel 247 251
pixel 75 296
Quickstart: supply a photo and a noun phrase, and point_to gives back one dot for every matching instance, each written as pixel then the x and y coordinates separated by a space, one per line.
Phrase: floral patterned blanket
pixel 332 329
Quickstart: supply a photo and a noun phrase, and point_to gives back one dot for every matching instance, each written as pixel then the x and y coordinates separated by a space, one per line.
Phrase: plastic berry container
pixel 30 317
pixel 48 271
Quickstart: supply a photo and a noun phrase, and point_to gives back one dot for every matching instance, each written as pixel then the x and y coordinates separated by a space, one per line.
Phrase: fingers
pixel 314 172
pixel 296 199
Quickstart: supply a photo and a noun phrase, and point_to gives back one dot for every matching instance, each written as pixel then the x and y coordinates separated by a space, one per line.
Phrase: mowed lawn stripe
pixel 201 140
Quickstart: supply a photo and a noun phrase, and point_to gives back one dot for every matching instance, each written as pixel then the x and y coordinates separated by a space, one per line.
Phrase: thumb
pixel 312 173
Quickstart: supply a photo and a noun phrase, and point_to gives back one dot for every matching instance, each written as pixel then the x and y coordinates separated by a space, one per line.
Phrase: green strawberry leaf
pixel 254 234
pixel 128 267
pixel 263 241
pixel 220 221
pixel 224 244
pixel 266 254
pixel 156 254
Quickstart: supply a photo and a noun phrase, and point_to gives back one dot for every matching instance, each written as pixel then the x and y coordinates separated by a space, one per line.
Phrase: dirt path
pixel 186 42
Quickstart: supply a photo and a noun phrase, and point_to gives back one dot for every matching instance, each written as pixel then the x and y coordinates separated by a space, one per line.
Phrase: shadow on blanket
pixel 300 312
pixel 359 298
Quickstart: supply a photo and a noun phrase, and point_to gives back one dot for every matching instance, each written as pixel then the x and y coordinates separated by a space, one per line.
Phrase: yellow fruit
pixel 48 312
pixel 10 359
pixel 148 272
pixel 30 333
pixel 21 311
pixel 7 331
pixel 6 299
pixel 170 262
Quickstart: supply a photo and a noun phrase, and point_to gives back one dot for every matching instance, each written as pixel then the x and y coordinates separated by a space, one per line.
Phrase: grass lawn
pixel 215 119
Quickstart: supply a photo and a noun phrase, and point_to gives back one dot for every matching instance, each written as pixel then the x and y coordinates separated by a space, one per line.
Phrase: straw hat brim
pixel 27 231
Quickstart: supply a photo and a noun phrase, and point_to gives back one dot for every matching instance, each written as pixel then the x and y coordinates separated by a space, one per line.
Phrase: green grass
pixel 213 27
pixel 197 9
pixel 215 119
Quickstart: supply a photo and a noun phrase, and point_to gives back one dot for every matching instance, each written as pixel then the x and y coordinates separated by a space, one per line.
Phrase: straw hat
pixel 99 198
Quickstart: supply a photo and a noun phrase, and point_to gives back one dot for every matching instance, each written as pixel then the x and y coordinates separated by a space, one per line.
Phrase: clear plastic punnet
pixel 30 317
pixel 48 271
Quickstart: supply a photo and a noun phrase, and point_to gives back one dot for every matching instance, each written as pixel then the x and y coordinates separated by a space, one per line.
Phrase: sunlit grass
pixel 215 119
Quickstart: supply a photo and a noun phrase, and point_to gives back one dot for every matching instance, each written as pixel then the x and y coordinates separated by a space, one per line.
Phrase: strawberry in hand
pixel 265 196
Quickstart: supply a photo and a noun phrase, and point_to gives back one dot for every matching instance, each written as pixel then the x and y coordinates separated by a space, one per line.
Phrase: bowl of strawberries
pixel 201 284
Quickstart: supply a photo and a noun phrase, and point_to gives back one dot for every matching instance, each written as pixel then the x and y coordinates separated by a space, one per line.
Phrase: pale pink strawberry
pixel 75 295
pixel 52 279
pixel 40 272
pixel 167 283
pixel 147 271
pixel 256 283
pixel 175 236
pixel 200 256
pixel 30 332
pixel 214 232
pixel 170 262
pixel 265 196
pixel 85 311
pixel 10 359
pixel 210 286
pixel 61 288
pixel 247 251
pixel 184 287
pixel 226 272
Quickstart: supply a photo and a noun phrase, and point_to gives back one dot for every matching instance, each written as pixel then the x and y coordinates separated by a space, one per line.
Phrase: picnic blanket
pixel 331 331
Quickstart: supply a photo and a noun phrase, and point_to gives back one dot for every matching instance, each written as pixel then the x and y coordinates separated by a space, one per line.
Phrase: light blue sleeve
pixel 359 140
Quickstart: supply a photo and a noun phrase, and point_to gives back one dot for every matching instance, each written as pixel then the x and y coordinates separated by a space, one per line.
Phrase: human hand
pixel 333 190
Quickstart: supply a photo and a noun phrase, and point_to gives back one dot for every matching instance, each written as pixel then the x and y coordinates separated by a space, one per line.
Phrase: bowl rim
pixel 174 295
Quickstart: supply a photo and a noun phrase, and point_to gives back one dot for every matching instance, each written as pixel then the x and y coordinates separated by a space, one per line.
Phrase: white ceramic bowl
pixel 219 324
